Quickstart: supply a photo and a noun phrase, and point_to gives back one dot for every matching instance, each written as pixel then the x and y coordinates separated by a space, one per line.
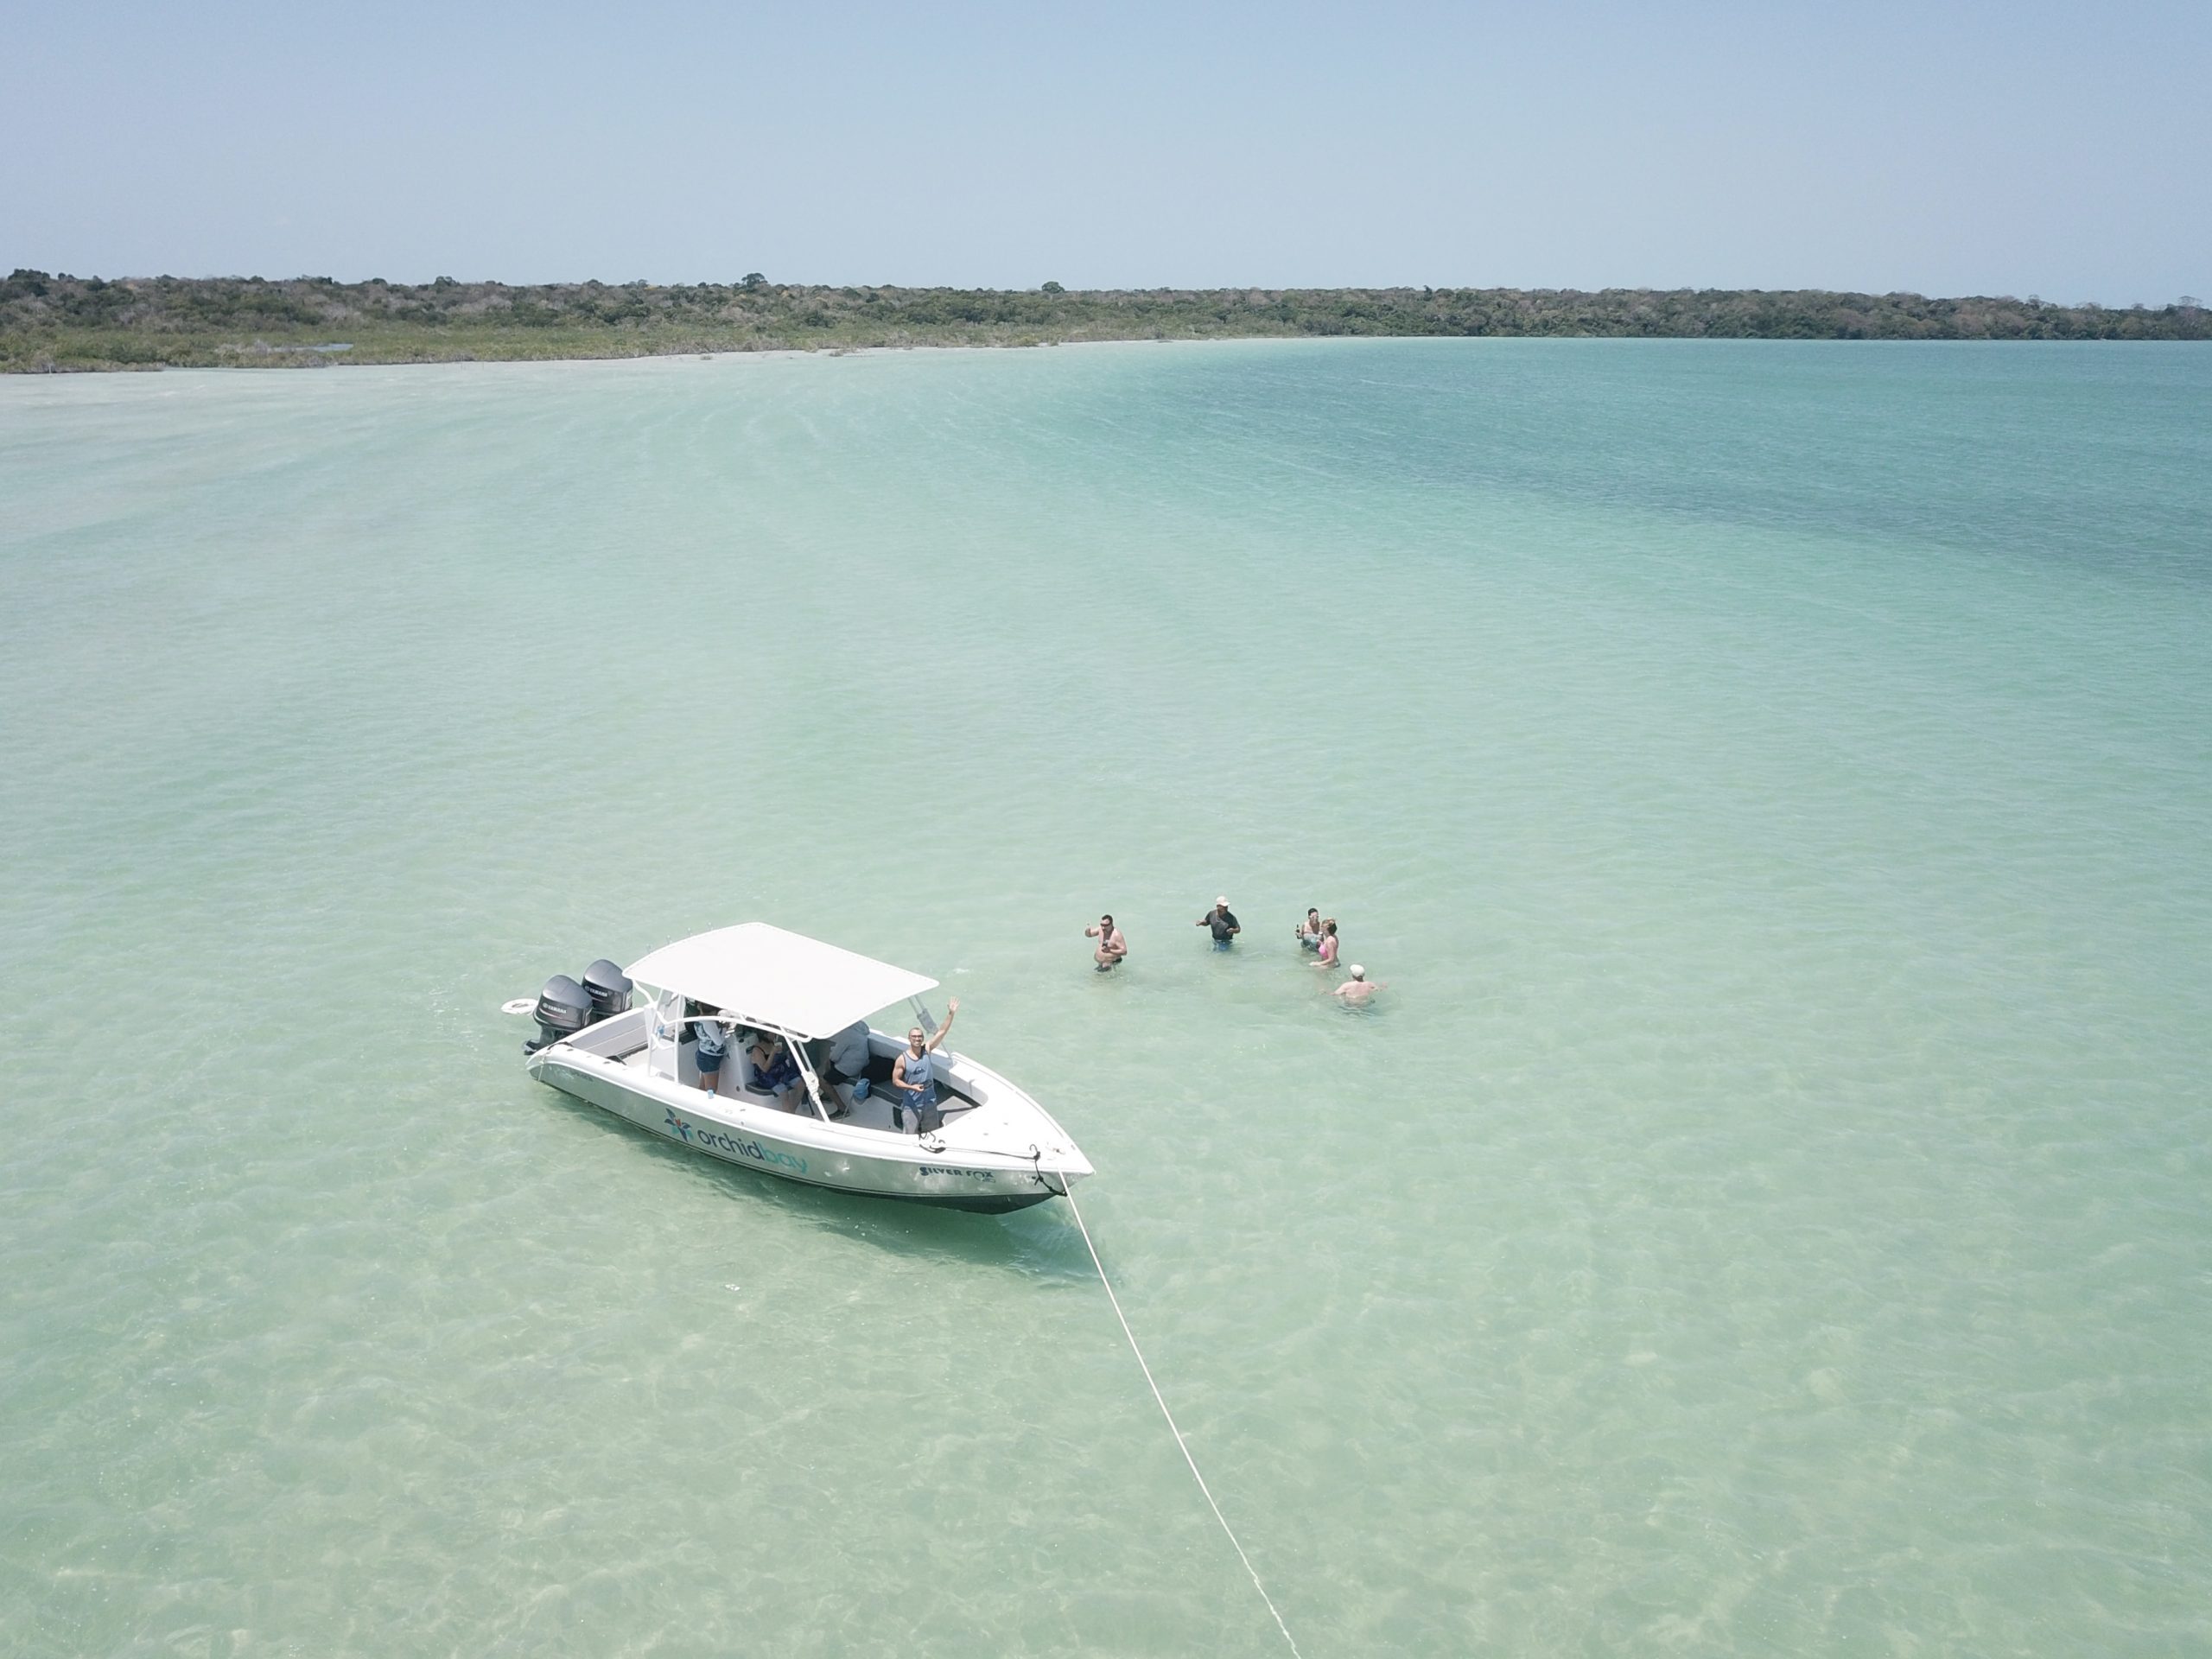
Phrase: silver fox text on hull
pixel 751 1045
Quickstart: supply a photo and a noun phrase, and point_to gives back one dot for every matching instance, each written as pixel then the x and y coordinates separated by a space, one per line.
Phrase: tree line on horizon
pixel 58 322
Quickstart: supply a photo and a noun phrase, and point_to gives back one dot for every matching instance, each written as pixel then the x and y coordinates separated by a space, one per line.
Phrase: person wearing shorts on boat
pixel 773 1071
pixel 913 1075
pixel 713 1044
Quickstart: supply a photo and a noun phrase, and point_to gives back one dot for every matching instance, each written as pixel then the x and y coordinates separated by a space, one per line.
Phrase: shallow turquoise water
pixel 1766 1213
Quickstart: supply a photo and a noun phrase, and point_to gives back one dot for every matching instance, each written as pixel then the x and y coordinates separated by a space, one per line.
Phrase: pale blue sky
pixel 1965 149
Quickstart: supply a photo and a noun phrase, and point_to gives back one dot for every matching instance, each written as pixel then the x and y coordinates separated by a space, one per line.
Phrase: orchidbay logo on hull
pixel 720 1142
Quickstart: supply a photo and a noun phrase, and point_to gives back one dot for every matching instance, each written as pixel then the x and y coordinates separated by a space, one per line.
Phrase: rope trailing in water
pixel 1068 1193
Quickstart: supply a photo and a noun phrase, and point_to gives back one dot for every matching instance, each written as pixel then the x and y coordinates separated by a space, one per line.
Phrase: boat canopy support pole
pixel 806 1071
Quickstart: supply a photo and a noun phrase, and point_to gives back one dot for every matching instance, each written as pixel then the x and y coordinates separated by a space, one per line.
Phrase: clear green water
pixel 1766 1214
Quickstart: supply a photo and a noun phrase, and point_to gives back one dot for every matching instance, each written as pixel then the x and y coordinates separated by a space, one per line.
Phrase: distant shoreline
pixel 55 324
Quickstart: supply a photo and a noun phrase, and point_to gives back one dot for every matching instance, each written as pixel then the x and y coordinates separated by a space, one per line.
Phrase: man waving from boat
pixel 914 1074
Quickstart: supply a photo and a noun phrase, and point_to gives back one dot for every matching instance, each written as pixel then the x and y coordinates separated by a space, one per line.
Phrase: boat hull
pixel 802 1149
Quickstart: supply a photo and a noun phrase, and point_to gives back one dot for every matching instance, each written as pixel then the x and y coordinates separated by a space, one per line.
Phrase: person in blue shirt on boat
pixel 772 1070
pixel 913 1075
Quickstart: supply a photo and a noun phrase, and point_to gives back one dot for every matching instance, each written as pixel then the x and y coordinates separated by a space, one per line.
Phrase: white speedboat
pixel 987 1146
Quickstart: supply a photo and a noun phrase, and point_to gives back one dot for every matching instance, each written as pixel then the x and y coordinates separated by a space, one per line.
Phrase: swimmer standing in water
pixel 1112 947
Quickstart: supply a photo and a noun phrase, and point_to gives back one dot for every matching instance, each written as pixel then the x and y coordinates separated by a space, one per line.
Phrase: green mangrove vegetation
pixel 63 322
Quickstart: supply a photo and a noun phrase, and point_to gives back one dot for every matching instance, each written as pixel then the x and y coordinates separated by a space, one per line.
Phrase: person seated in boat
pixel 1112 947
pixel 1309 930
pixel 771 1070
pixel 844 1068
pixel 913 1075
pixel 713 1044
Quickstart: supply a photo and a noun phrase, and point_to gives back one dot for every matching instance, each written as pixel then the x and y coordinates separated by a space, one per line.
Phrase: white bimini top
pixel 771 977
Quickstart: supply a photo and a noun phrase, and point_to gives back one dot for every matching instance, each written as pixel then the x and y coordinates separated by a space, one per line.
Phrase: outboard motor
pixel 564 1009
pixel 609 987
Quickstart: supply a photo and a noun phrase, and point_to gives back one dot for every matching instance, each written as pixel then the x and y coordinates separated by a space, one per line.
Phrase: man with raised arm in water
pixel 1358 990
pixel 1224 924
pixel 1112 947
pixel 914 1074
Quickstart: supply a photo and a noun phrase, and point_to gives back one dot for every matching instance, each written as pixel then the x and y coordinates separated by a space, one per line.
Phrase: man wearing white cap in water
pixel 1223 922
pixel 1357 989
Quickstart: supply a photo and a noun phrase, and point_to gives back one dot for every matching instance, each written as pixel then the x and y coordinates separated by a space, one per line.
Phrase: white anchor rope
pixel 1068 1193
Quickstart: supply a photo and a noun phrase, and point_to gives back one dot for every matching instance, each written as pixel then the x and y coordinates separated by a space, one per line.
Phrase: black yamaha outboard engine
pixel 564 1008
pixel 609 987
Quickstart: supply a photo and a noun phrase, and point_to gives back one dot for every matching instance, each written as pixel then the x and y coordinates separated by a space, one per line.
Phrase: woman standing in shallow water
pixel 1328 945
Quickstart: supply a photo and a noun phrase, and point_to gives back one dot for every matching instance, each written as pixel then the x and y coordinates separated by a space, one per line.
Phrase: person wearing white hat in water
pixel 1357 989
pixel 1223 922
